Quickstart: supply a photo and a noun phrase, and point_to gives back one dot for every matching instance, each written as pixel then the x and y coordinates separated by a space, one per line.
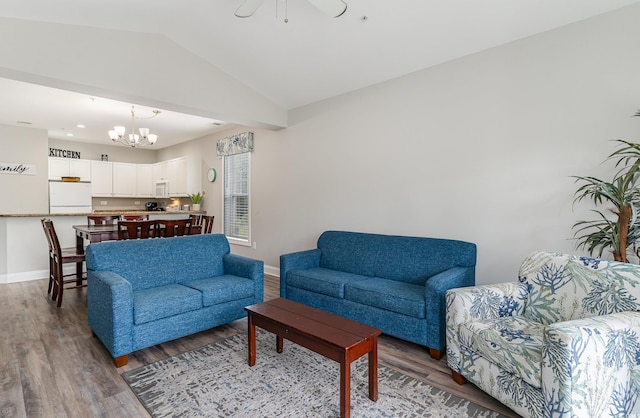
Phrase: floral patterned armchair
pixel 563 341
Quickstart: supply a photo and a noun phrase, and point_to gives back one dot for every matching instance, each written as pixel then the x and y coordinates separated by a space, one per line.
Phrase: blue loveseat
pixel 394 283
pixel 145 292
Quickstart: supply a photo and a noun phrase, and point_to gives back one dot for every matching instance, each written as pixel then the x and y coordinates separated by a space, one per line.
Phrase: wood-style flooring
pixel 51 366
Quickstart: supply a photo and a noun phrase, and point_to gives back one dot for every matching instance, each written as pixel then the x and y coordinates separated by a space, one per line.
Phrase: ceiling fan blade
pixel 334 8
pixel 248 8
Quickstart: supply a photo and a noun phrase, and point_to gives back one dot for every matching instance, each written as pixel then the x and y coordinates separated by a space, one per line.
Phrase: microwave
pixel 162 188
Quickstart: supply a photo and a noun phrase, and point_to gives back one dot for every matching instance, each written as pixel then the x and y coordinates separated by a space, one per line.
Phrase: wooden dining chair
pixel 204 222
pixel 137 229
pixel 102 219
pixel 57 258
pixel 174 227
pixel 207 224
pixel 196 219
pixel 144 217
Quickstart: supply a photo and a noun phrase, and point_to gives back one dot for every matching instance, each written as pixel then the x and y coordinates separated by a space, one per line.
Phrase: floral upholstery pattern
pixel 562 341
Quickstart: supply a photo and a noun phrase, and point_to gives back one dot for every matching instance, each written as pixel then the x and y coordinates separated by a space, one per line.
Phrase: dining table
pixel 99 233
pixel 93 233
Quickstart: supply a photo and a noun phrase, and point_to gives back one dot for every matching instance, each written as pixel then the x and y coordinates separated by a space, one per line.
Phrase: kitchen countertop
pixel 105 212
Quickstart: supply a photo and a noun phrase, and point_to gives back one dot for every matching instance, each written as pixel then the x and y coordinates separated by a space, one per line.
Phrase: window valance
pixel 235 144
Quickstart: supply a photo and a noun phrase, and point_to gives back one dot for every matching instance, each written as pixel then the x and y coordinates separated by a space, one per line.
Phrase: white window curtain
pixel 236 198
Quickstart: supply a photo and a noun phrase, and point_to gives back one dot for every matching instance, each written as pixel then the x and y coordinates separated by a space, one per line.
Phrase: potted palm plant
pixel 622 197
pixel 196 198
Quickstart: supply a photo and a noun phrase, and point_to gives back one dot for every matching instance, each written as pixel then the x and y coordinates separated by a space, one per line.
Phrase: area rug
pixel 215 381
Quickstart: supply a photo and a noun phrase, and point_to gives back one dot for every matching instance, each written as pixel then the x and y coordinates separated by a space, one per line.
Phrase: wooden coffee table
pixel 332 336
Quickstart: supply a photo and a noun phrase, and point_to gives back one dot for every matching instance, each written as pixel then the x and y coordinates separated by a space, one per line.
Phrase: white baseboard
pixel 272 271
pixel 24 276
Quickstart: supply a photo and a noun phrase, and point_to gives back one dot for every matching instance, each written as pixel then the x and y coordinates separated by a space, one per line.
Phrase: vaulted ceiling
pixel 310 58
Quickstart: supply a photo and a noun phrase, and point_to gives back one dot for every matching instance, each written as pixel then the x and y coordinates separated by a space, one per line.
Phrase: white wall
pixel 481 149
pixel 92 151
pixel 24 193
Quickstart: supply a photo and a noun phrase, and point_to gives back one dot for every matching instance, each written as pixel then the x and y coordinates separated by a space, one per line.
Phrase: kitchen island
pixel 23 246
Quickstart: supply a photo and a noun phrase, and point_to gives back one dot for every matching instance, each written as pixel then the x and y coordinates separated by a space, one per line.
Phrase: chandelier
pixel 117 134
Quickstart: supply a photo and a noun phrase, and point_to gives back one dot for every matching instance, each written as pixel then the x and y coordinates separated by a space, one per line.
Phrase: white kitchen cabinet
pixel 101 178
pixel 145 186
pixel 124 179
pixel 69 167
pixel 160 171
pixel 177 174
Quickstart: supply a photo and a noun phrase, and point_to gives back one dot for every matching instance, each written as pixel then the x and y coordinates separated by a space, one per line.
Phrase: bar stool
pixel 58 257
pixel 102 219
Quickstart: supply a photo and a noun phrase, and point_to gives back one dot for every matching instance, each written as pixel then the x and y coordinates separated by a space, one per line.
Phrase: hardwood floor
pixel 51 366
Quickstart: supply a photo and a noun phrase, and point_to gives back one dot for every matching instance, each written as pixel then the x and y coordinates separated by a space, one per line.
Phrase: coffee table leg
pixel 373 370
pixel 251 330
pixel 279 344
pixel 345 388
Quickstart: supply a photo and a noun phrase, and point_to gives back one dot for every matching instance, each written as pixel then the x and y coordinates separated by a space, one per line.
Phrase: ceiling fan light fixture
pixel 333 8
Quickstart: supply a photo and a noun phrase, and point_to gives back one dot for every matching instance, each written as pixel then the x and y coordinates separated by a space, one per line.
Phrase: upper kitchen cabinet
pixel 145 186
pixel 178 177
pixel 69 167
pixel 182 176
pixel 102 178
pixel 125 181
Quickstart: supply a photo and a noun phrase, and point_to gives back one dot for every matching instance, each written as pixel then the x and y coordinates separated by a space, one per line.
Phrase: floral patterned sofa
pixel 563 341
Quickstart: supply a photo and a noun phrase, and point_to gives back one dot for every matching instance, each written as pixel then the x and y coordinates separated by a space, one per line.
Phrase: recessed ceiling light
pixel 81 126
pixel 69 134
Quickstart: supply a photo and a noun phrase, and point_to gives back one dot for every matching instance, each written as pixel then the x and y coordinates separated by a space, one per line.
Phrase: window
pixel 236 198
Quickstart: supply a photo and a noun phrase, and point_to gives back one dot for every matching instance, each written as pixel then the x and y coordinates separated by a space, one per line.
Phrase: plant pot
pixel 196 206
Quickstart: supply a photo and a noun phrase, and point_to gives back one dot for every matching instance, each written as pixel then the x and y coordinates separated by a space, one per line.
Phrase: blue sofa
pixel 148 291
pixel 394 283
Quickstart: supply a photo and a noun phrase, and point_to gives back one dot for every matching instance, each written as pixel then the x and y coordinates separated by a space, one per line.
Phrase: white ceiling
pixel 310 58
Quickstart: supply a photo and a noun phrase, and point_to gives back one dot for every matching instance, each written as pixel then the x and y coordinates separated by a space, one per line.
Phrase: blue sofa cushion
pixel 324 281
pixel 350 252
pixel 221 289
pixel 414 260
pixel 164 301
pixel 391 295
pixel 165 261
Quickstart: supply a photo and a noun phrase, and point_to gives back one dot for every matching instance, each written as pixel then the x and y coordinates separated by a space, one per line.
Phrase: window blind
pixel 236 196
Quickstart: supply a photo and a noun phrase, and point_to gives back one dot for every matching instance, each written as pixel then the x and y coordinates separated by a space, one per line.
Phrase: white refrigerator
pixel 69 197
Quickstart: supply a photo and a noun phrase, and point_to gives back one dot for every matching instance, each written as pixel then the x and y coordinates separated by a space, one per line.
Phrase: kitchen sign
pixel 17 168
pixel 64 153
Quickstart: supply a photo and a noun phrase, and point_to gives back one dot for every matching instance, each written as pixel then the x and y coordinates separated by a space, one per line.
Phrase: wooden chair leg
pixel 121 360
pixel 60 289
pixel 435 354
pixel 458 378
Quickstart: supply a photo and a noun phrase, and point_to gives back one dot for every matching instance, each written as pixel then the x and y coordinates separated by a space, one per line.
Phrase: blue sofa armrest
pixel 110 310
pixel 435 297
pixel 300 260
pixel 246 267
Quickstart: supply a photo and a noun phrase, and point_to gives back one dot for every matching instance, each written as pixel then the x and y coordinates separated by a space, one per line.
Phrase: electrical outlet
pixel 137 203
pixel 254 245
pixel 103 203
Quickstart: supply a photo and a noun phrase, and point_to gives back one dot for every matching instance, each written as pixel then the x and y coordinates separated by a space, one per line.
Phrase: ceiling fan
pixel 333 8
